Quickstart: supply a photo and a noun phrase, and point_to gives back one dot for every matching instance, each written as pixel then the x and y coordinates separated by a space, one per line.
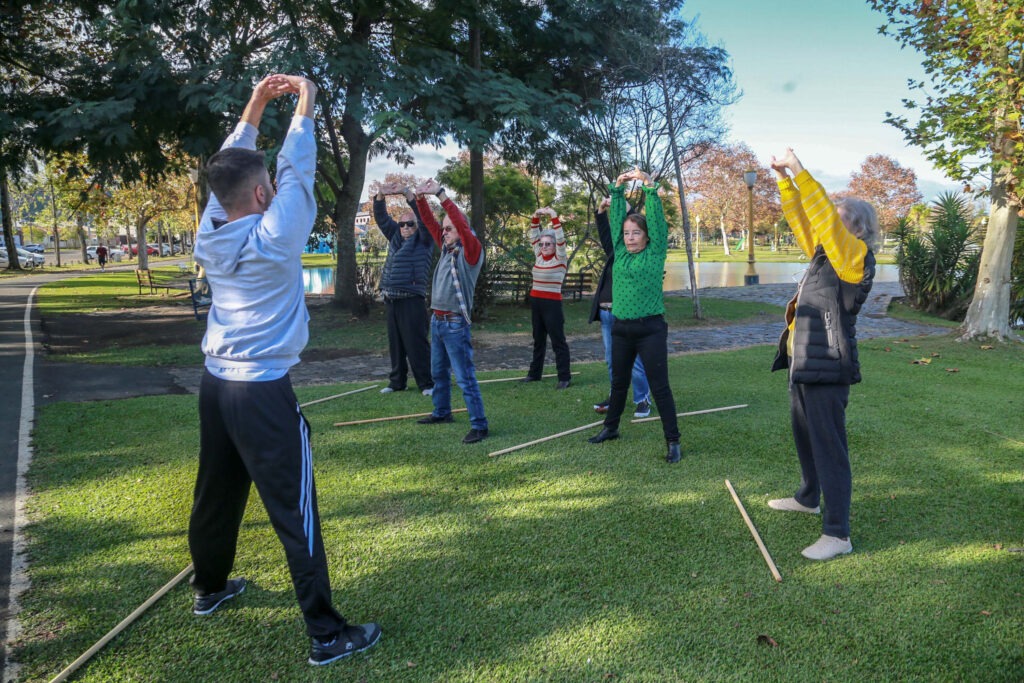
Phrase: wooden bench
pixel 201 295
pixel 153 281
pixel 518 284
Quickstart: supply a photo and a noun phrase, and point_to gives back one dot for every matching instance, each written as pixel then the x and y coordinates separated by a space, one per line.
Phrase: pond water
pixel 321 280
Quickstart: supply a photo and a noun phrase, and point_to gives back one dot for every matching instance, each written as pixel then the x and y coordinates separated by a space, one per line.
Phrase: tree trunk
pixel 346 205
pixel 725 237
pixel 5 210
pixel 82 238
pixel 697 313
pixel 989 313
pixel 140 239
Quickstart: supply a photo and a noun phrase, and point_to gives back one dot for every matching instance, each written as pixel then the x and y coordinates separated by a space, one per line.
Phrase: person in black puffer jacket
pixel 403 283
pixel 819 345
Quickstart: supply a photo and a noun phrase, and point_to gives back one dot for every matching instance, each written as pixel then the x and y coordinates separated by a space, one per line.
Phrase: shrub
pixel 939 268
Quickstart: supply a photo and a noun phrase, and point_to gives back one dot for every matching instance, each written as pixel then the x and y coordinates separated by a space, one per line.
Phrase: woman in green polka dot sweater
pixel 641 245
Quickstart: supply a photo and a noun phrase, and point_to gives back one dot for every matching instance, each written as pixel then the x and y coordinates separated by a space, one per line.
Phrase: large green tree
pixel 968 122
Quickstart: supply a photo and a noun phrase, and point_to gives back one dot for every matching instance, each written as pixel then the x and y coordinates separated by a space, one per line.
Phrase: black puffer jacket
pixel 825 333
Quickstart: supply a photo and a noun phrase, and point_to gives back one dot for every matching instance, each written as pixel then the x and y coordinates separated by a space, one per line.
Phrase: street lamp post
pixel 751 278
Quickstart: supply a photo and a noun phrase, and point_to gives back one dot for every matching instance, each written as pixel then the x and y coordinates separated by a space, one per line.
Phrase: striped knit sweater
pixel 549 272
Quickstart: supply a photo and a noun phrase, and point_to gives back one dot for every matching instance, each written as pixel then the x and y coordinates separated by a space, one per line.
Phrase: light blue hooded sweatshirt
pixel 258 323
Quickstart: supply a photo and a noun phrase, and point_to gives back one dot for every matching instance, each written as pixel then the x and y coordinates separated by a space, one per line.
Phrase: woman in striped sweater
pixel 641 245
pixel 546 297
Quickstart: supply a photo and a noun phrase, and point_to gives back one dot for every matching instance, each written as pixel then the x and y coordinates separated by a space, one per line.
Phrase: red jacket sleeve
pixel 427 216
pixel 471 246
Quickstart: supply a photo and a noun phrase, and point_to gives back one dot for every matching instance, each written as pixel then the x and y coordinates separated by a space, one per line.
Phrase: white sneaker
pixel 827 547
pixel 387 390
pixel 791 505
pixel 428 392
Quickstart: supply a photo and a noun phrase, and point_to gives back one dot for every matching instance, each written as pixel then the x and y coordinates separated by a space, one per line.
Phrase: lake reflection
pixel 321 280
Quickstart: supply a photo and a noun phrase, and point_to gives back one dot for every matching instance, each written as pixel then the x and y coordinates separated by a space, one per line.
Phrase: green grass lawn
pixel 564 561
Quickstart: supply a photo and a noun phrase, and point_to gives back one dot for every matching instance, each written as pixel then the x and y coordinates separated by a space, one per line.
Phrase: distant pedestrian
pixel 251 427
pixel 101 257
pixel 818 347
pixel 403 284
pixel 451 298
pixel 546 297
pixel 641 247
pixel 601 310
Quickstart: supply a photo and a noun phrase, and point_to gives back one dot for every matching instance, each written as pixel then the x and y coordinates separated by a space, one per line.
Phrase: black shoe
pixel 528 378
pixel 434 419
pixel 605 435
pixel 562 385
pixel 475 436
pixel 208 604
pixel 674 453
pixel 602 407
pixel 353 639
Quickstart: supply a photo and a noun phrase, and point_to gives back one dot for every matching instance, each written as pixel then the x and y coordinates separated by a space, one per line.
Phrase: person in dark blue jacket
pixel 404 287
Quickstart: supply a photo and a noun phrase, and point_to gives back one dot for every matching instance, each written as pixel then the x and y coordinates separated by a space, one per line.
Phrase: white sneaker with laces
pixel 827 547
pixel 387 390
pixel 791 505
pixel 428 392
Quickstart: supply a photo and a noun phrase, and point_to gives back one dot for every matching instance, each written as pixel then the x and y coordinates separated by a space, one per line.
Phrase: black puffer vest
pixel 825 334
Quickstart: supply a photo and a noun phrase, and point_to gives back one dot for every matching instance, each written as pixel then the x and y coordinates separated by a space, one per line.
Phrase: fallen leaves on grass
pixel 763 639
pixel 922 361
pixel 952 369
pixel 987 347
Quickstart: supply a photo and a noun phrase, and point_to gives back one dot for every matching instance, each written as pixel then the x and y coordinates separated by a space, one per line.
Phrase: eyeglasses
pixel 547 244
pixel 447 228
pixel 407 224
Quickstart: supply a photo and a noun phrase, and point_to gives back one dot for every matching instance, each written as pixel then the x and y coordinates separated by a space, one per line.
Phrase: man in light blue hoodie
pixel 251 427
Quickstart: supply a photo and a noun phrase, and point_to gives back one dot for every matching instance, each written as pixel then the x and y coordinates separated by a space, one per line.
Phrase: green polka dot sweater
pixel 637 278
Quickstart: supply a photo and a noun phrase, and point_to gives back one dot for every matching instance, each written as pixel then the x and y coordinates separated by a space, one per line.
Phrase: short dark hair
pixel 232 172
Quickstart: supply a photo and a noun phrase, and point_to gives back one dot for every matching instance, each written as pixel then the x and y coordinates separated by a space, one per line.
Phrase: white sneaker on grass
pixel 428 392
pixel 791 505
pixel 387 390
pixel 827 547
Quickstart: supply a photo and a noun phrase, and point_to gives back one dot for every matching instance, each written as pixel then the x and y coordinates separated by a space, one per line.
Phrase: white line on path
pixel 19 574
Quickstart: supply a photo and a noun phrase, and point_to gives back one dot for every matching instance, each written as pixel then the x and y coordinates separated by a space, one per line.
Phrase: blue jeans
pixel 451 350
pixel 641 389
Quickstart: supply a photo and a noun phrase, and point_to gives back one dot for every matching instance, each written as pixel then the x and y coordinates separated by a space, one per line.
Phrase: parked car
pixel 37 259
pixel 150 249
pixel 169 249
pixel 27 262
pixel 34 248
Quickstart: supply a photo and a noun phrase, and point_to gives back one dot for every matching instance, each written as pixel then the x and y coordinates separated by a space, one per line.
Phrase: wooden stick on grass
pixel 753 531
pixel 515 379
pixel 692 412
pixel 393 417
pixel 127 621
pixel 331 398
pixel 546 438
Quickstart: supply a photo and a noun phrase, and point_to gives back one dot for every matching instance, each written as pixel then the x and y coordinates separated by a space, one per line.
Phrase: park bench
pixel 517 284
pixel 201 295
pixel 155 280
pixel 578 284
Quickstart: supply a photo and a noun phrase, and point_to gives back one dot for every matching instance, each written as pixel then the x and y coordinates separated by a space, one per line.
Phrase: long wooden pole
pixel 515 379
pixel 692 412
pixel 331 398
pixel 73 666
pixel 546 438
pixel 386 419
pixel 753 531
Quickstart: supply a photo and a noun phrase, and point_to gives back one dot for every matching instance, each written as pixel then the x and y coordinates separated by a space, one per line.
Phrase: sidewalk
pixel 872 322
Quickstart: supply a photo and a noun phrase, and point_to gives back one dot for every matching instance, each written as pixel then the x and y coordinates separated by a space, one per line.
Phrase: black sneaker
pixel 351 640
pixel 208 604
pixel 475 436
pixel 602 407
pixel 434 419
pixel 643 409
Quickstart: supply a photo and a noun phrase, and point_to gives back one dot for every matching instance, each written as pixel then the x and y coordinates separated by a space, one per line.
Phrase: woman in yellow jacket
pixel 819 345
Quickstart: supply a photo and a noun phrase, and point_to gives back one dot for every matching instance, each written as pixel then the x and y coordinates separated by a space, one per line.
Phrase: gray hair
pixel 860 218
pixel 548 233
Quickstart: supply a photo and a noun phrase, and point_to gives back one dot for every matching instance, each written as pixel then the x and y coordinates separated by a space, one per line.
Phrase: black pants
pixel 648 338
pixel 408 334
pixel 549 320
pixel 818 414
pixel 255 432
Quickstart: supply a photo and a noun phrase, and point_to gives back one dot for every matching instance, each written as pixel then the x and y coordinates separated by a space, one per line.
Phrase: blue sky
pixel 815 75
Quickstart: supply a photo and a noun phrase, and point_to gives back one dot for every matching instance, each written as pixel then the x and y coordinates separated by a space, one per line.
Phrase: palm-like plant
pixel 939 268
